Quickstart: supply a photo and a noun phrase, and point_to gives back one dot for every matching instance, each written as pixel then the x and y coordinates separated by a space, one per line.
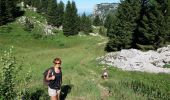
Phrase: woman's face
pixel 57 63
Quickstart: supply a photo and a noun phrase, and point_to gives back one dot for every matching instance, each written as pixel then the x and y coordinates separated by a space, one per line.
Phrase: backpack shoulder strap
pixel 51 70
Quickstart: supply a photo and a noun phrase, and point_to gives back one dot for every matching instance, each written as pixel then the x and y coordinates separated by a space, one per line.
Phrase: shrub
pixel 166 66
pixel 145 47
pixel 102 31
pixel 28 26
pixel 8 79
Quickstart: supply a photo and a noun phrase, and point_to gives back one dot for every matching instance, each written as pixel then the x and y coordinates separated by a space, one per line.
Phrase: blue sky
pixel 88 5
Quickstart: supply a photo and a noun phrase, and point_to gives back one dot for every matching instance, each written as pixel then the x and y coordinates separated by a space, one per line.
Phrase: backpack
pixel 46 82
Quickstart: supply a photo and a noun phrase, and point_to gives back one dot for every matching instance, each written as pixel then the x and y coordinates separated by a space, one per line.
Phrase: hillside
pixel 81 72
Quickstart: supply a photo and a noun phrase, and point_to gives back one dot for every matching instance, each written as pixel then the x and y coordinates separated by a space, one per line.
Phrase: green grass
pixel 80 69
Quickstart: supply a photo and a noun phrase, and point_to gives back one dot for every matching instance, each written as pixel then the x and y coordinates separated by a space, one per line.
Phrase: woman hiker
pixel 55 77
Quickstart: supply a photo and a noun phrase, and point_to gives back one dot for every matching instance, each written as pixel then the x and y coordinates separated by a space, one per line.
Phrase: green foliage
pixel 55 13
pixel 144 47
pixel 9 74
pixel 166 66
pixel 85 24
pixel 121 32
pixel 5 29
pixel 8 11
pixel 28 26
pixel 70 24
pixel 74 17
pixel 42 7
pixel 151 28
pixel 143 26
pixel 97 21
pixel 102 31
pixel 67 20
pixel 52 13
pixel 60 9
pixel 109 21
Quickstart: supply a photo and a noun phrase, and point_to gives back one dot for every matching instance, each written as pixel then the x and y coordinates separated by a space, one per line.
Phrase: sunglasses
pixel 57 63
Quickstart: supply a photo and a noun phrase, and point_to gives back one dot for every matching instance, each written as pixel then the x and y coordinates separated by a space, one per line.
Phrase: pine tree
pixel 86 25
pixel 2 12
pixel 70 25
pixel 52 14
pixel 42 7
pixel 28 2
pixel 97 21
pixel 74 18
pixel 8 11
pixel 168 21
pixel 60 13
pixel 109 21
pixel 67 20
pixel 121 33
pixel 10 6
pixel 82 22
pixel 109 24
pixel 151 29
pixel 165 7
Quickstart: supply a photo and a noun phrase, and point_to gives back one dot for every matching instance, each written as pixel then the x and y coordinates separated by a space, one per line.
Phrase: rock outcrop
pixel 47 29
pixel 136 60
pixel 104 8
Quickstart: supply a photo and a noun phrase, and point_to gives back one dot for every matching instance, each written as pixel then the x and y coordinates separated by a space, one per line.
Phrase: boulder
pixel 136 60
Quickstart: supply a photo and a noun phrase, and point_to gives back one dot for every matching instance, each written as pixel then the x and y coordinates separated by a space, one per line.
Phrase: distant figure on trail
pixel 55 77
pixel 105 74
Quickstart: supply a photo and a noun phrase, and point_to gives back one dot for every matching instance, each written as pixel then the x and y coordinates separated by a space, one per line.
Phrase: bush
pixel 5 29
pixel 145 47
pixel 102 31
pixel 28 26
pixel 166 66
pixel 8 80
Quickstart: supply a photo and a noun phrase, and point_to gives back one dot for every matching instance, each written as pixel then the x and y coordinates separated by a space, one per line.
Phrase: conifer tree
pixel 109 21
pixel 165 7
pixel 74 18
pixel 168 21
pixel 67 20
pixel 8 11
pixel 2 12
pixel 151 29
pixel 70 25
pixel 97 21
pixel 86 25
pixel 60 13
pixel 42 7
pixel 121 34
pixel 52 14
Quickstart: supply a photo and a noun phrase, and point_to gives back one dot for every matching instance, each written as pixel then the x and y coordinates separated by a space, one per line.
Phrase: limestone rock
pixel 136 60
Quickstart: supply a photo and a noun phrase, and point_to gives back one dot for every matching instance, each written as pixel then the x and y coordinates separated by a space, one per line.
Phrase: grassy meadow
pixel 81 71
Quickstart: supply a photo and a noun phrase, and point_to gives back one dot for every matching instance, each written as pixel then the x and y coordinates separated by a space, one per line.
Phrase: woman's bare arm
pixel 48 76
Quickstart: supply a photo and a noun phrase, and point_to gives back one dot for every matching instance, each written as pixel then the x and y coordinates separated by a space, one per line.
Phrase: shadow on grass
pixel 42 94
pixel 65 89
pixel 38 94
